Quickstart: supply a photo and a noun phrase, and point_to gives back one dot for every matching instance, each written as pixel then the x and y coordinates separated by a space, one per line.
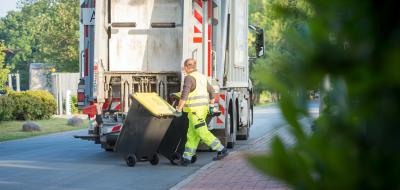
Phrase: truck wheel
pixel 247 128
pixel 231 144
pixel 131 160
pixel 246 136
pixel 232 128
pixel 251 117
pixel 154 160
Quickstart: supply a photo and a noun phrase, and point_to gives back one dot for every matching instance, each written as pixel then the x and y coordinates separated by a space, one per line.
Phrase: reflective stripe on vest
pixel 198 99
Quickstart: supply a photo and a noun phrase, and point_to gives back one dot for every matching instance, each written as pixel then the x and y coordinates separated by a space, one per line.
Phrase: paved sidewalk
pixel 234 172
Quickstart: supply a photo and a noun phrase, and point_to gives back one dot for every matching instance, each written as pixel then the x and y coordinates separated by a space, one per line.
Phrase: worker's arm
pixel 180 105
pixel 186 89
pixel 211 93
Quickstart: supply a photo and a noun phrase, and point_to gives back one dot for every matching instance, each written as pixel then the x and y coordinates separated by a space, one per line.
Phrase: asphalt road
pixel 60 162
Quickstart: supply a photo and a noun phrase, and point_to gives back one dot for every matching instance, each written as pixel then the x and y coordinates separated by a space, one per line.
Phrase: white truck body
pixel 140 46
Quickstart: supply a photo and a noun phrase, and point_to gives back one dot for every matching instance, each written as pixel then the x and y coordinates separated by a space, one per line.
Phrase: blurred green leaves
pixel 351 51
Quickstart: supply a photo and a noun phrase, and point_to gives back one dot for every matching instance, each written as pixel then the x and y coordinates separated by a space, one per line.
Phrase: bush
pixel 28 105
pixel 74 104
pixel 6 108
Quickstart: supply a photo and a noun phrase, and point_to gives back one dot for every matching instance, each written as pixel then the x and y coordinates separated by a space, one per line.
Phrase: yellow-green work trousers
pixel 197 131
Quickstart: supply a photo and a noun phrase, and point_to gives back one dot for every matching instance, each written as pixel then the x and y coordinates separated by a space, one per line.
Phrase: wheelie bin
pixel 147 121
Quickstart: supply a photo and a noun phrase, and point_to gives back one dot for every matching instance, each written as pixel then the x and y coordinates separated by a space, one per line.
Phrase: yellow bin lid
pixel 155 104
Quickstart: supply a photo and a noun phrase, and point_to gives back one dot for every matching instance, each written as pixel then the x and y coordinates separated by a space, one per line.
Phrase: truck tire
pixel 231 123
pixel 251 116
pixel 247 127
pixel 245 136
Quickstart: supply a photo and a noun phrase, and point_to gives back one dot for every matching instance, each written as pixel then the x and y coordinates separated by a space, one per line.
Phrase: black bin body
pixel 173 144
pixel 142 133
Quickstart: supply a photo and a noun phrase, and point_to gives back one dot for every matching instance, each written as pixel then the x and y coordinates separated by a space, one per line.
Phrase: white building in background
pixel 41 77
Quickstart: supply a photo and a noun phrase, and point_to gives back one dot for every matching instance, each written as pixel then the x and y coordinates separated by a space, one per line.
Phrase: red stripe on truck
pixel 209 50
pixel 209 59
pixel 198 16
pixel 222 109
pixel 222 96
pixel 90 110
pixel 196 30
pixel 106 104
pixel 219 121
pixel 197 40
pixel 86 31
pixel 199 2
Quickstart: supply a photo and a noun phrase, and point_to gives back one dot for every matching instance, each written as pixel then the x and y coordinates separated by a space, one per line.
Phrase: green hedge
pixel 27 105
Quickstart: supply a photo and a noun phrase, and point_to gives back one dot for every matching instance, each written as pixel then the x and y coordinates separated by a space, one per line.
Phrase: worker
pixel 196 95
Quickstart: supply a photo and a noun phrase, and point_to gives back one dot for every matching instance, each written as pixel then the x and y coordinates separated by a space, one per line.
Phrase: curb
pixel 190 177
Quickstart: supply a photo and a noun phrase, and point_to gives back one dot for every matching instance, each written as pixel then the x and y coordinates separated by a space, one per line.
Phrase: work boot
pixel 185 162
pixel 221 154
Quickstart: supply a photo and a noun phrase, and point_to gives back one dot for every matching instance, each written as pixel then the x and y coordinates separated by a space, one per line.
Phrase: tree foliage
pixel 43 31
pixel 3 68
pixel 354 45
pixel 264 15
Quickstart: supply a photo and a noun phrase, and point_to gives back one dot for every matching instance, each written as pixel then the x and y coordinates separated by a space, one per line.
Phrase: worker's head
pixel 190 65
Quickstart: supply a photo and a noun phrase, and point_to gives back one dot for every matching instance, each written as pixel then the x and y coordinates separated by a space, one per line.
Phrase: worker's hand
pixel 211 109
pixel 178 109
pixel 214 111
pixel 178 114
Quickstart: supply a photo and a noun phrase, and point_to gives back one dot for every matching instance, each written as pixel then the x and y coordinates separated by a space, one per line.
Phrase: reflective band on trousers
pixel 200 125
pixel 187 157
pixel 190 150
pixel 214 145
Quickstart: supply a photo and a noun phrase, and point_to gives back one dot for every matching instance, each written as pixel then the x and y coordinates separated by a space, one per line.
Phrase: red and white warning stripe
pixel 221 100
pixel 198 21
pixel 115 104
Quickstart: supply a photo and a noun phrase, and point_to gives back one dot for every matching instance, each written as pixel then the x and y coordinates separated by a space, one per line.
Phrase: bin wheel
pixel 175 158
pixel 131 160
pixel 194 159
pixel 155 159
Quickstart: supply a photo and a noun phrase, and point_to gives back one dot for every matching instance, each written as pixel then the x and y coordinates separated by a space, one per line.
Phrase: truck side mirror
pixel 259 42
pixel 260 50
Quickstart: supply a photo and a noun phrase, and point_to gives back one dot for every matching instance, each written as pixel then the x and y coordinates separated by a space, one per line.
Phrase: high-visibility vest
pixel 198 99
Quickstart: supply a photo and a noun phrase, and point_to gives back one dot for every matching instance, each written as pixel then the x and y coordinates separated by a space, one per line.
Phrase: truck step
pixel 87 137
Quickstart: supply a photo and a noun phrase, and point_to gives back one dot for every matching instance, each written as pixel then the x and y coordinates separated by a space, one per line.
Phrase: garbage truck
pixel 132 46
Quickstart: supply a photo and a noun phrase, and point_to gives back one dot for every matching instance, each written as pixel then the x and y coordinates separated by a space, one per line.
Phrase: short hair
pixel 190 63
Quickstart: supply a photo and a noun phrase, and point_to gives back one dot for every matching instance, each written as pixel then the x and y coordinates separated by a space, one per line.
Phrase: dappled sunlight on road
pixel 23 165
